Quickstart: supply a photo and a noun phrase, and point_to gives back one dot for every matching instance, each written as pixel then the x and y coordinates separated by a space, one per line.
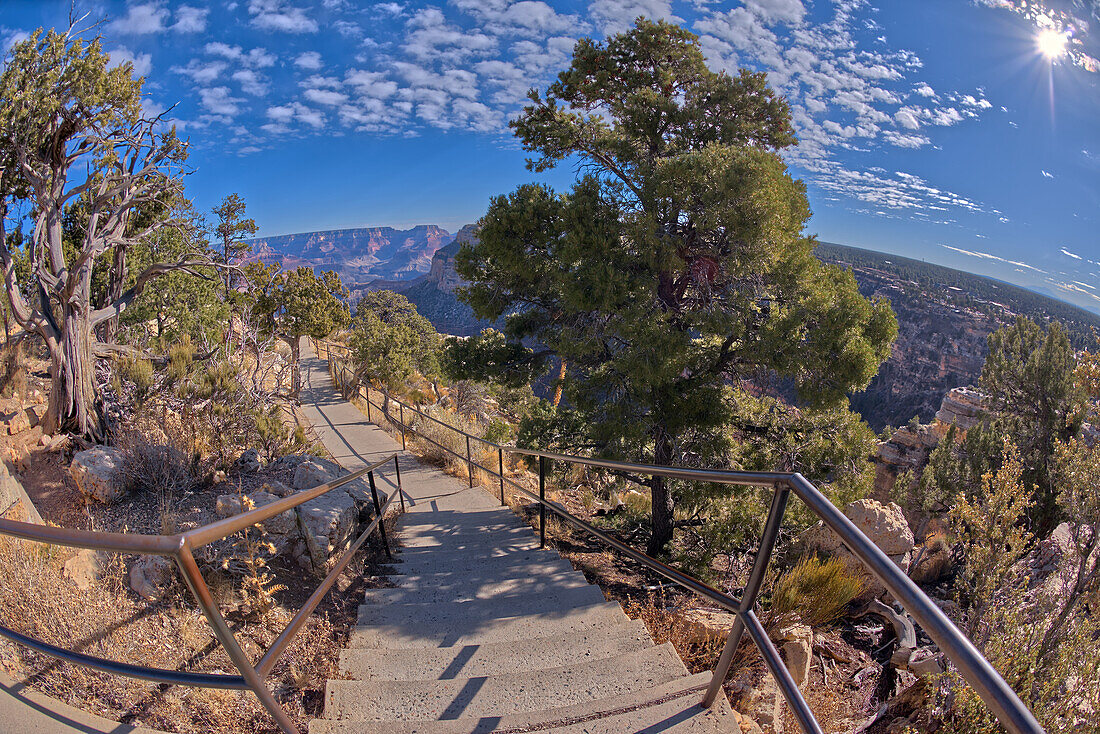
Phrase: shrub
pixel 154 460
pixel 814 591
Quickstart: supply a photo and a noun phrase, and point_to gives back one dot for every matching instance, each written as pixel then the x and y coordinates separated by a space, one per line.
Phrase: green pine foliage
pixel 676 266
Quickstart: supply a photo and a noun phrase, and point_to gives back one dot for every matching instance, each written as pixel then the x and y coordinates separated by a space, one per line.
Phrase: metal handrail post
pixel 500 469
pixel 469 462
pixel 752 590
pixel 378 511
pixel 401 406
pixel 367 387
pixel 542 502
pixel 193 577
pixel 400 491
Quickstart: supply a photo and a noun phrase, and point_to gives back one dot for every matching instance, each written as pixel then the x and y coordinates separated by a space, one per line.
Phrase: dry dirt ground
pixel 110 620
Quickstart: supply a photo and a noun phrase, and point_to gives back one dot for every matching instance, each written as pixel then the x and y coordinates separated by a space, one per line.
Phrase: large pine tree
pixel 676 264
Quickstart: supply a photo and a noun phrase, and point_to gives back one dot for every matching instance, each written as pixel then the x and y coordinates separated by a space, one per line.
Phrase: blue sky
pixel 933 129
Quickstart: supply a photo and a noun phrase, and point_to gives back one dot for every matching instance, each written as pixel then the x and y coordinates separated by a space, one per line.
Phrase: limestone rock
pixel 16 422
pixel 152 576
pixel 98 473
pixel 219 478
pixel 228 505
pixel 313 472
pixel 884 524
pixel 797 649
pixel 327 523
pixel 703 626
pixel 962 407
pixel 745 725
pixel 84 568
pixel 282 524
pixel 278 489
pixel 926 663
pixel 248 462
pixel 34 414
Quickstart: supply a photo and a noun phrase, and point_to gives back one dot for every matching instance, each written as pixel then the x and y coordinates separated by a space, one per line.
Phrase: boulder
pixel 704 626
pixel 278 489
pixel 84 568
pixel 98 473
pixel 884 524
pixel 312 472
pixel 152 576
pixel 327 523
pixel 34 414
pixel 228 505
pixel 284 523
pixel 248 462
pixel 16 422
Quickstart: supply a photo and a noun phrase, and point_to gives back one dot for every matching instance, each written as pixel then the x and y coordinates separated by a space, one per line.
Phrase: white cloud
pixel 906 118
pixel 924 90
pixel 615 16
pixel 325 96
pixel 1046 174
pixel 277 15
pixel 251 82
pixel 141 19
pixel 142 63
pixel 283 115
pixel 1067 253
pixel 218 101
pixel 257 58
pixel 190 20
pixel 201 72
pixel 987 256
pixel 310 60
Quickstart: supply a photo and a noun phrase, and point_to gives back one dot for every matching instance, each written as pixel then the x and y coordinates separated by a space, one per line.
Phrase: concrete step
pixel 494 658
pixel 470 589
pixel 441 560
pixel 427 610
pixel 634 713
pixel 399 634
pixel 474 579
pixel 519 691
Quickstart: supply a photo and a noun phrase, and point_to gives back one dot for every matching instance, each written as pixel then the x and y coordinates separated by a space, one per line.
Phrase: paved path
pixel 483 631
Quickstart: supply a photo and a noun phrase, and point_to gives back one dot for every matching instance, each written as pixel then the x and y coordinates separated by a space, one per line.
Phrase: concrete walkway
pixel 483 631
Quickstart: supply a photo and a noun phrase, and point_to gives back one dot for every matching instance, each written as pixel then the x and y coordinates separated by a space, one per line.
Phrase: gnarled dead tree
pixel 73 133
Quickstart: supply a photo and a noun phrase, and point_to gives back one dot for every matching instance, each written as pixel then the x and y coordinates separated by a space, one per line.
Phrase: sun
pixel 1051 43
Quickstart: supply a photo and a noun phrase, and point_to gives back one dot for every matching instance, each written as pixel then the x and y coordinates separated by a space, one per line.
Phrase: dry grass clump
pixel 666 625
pixel 814 592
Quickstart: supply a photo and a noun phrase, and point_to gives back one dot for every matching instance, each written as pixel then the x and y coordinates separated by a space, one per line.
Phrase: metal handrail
pixel 181 548
pixel 972 665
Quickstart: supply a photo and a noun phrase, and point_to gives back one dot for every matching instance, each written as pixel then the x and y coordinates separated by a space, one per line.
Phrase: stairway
pixel 484 632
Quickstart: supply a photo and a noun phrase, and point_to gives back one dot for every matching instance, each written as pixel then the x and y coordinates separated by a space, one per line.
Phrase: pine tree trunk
pixel 661 514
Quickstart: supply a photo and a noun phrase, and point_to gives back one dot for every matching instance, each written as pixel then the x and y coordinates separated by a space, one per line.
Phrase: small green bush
pixel 814 591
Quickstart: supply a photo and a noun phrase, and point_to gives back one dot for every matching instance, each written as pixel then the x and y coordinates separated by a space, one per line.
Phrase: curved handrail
pixel 975 669
pixel 180 547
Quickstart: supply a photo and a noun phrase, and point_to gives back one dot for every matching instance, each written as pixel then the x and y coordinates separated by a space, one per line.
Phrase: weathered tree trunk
pixel 295 370
pixel 561 383
pixel 661 514
pixel 114 291
pixel 73 403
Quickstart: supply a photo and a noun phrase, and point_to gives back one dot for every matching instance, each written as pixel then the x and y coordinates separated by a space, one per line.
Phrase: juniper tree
pixel 676 264
pixel 390 340
pixel 298 303
pixel 73 133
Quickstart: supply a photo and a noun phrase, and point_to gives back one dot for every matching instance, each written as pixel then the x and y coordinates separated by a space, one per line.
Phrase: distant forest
pixel 975 291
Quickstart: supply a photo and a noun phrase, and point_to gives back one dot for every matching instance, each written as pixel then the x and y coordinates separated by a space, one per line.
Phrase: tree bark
pixel 295 371
pixel 661 498
pixel 560 384
pixel 73 404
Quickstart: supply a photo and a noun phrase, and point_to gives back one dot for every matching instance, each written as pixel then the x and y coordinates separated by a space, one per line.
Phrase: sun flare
pixel 1051 43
